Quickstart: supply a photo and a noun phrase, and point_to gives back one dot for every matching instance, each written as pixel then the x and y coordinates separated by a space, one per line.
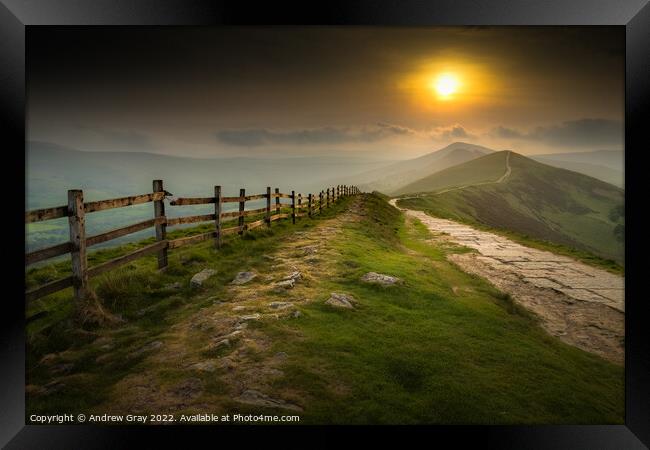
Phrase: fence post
pixel 309 199
pixel 268 206
pixel 299 203
pixel 77 224
pixel 217 215
pixel 293 207
pixel 320 202
pixel 161 228
pixel 338 191
pixel 277 201
pixel 242 204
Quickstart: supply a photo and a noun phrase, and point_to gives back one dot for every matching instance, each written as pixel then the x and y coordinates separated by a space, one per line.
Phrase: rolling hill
pixel 391 177
pixel 534 199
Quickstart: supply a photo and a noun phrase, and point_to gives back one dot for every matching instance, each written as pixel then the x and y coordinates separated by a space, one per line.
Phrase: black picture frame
pixel 17 15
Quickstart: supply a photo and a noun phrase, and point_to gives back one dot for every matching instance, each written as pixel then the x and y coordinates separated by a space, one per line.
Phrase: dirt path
pixel 582 305
pixel 218 358
pixel 502 178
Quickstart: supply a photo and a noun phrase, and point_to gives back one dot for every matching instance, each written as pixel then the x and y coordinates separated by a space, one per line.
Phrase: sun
pixel 446 84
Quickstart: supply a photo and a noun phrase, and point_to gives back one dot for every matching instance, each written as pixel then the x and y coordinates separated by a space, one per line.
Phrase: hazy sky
pixel 283 91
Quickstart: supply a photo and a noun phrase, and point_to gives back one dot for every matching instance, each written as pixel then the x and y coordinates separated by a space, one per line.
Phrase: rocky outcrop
pixel 380 278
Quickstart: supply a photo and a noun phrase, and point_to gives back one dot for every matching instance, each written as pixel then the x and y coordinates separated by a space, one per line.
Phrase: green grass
pixel 440 207
pixel 418 353
pixel 441 347
pixel 481 170
pixel 127 292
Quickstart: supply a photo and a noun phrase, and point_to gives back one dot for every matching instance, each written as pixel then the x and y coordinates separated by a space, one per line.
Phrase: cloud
pixel 507 133
pixel 451 132
pixel 327 135
pixel 575 133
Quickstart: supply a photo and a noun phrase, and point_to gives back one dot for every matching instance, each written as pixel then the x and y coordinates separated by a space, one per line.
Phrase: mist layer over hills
pixel 53 169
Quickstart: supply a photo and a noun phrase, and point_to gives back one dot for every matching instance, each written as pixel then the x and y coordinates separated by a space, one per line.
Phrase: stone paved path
pixel 580 304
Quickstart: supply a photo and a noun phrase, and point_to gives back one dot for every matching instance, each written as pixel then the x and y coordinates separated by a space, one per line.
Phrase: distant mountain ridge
pixel 393 176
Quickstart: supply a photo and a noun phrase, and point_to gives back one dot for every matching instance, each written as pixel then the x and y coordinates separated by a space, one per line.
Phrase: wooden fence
pixel 300 205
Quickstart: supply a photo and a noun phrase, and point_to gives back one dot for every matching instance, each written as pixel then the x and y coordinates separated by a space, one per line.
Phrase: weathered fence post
pixel 268 206
pixel 217 215
pixel 161 228
pixel 320 202
pixel 242 205
pixel 299 203
pixel 327 204
pixel 293 207
pixel 309 200
pixel 77 223
pixel 338 191
pixel 277 201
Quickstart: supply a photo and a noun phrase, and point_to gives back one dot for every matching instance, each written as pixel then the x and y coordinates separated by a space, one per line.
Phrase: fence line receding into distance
pixel 77 246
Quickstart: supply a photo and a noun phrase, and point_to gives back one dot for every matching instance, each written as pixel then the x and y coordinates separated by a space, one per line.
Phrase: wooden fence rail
pixel 76 209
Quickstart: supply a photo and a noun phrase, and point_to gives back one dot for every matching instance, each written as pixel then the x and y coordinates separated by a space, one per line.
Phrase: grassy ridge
pixel 545 203
pixel 484 169
pixel 143 297
pixel 442 347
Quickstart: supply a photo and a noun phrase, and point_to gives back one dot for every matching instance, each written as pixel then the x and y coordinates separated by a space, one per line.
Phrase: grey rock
pixel 285 284
pixel 204 366
pixel 380 278
pixel 198 279
pixel 250 317
pixel 256 398
pixel 176 285
pixel 219 344
pixel 293 276
pixel 243 277
pixel 280 305
pixel 232 335
pixel 296 314
pixel 340 300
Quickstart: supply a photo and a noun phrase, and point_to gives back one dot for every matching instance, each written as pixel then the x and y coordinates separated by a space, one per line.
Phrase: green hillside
pixel 536 200
pixel 439 347
pixel 480 170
